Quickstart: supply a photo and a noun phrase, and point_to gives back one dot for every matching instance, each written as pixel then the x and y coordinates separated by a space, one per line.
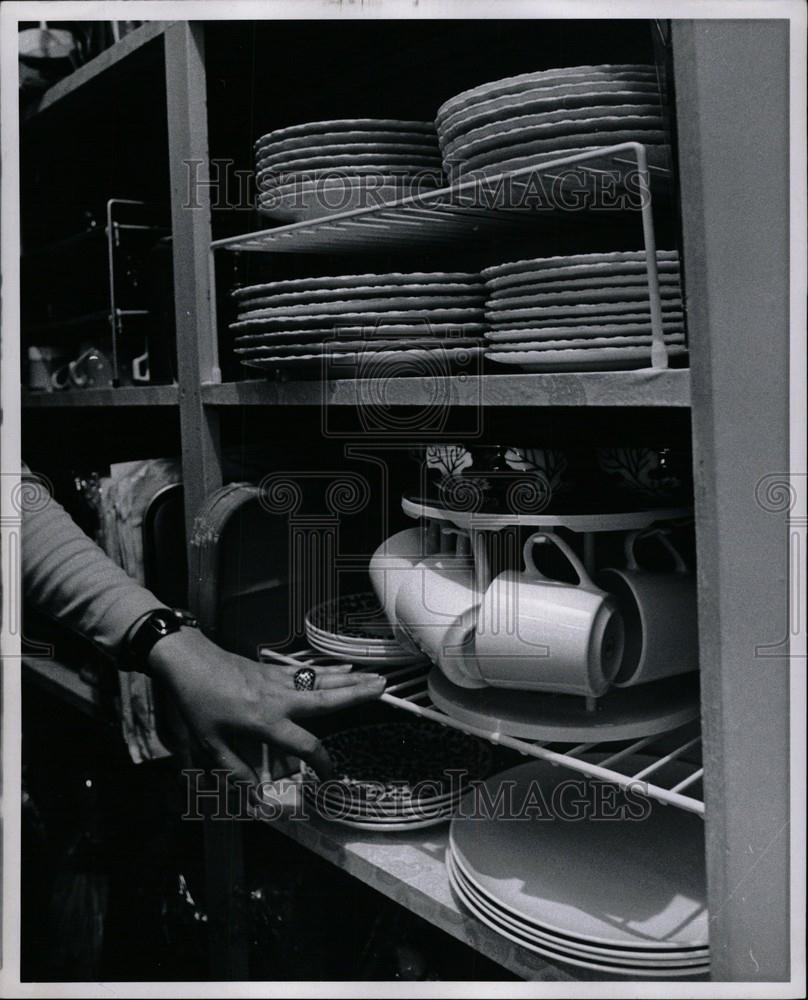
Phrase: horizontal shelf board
pixel 409 868
pixel 140 395
pixel 63 682
pixel 650 387
pixel 99 65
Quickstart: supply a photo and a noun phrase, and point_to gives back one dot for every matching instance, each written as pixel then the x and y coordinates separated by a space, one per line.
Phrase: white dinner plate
pixel 609 359
pixel 375 137
pixel 592 952
pixel 259 318
pixel 381 163
pixel 450 291
pixel 503 317
pixel 338 281
pixel 595 282
pixel 573 97
pixel 602 965
pixel 544 78
pixel 339 149
pixel 397 303
pixel 533 127
pixel 564 145
pixel 441 332
pixel 360 346
pixel 589 332
pixel 636 881
pixel 669 318
pixel 338 125
pixel 621 293
pixel 422 363
pixel 595 344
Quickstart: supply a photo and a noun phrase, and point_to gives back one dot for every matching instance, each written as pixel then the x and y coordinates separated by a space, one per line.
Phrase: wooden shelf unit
pixel 731 80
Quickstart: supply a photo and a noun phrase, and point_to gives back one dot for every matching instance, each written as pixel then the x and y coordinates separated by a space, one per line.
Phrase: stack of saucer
pixel 318 168
pixel 355 629
pixel 397 775
pixel 581 312
pixel 584 873
pixel 349 318
pixel 523 120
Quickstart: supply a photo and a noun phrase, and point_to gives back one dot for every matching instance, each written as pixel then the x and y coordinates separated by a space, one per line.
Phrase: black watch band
pixel 156 625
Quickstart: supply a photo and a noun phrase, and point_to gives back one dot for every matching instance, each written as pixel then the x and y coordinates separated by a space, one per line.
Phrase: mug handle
pixel 462 544
pixel 584 580
pixel 73 367
pixel 680 566
pixel 140 367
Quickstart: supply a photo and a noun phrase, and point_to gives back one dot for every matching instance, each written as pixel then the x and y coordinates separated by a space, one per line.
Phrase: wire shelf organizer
pixel 454 215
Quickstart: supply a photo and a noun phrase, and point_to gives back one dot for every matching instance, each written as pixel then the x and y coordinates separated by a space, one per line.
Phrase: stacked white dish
pixel 397 776
pixel 354 629
pixel 525 120
pixel 614 883
pixel 581 312
pixel 361 321
pixel 320 168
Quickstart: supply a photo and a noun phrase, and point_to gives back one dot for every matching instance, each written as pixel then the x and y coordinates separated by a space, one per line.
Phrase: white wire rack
pixel 468 214
pixel 407 690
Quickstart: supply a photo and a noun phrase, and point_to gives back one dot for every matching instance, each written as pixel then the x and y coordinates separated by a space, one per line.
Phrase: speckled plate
pixel 354 616
pixel 405 756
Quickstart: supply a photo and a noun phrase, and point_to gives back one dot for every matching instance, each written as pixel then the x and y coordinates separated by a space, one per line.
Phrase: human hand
pixel 223 696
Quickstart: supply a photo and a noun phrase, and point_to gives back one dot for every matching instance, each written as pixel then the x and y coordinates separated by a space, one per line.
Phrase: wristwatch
pixel 153 627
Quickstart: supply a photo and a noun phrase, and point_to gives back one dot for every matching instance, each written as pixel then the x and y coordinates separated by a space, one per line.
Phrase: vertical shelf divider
pixel 194 293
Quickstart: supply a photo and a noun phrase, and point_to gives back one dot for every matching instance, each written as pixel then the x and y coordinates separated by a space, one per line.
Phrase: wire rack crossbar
pixel 466 210
pixel 418 702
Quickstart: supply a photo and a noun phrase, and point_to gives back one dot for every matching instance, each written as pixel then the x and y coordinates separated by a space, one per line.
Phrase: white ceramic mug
pixel 392 562
pixel 539 634
pixel 436 607
pixel 659 612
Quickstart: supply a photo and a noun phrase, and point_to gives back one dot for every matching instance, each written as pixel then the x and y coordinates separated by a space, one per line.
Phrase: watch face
pixel 162 624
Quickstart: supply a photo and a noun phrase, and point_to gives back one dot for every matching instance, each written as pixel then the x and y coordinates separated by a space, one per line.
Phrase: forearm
pixel 67 576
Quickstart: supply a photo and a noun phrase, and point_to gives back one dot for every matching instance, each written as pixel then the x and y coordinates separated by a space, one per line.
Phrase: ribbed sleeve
pixel 67 577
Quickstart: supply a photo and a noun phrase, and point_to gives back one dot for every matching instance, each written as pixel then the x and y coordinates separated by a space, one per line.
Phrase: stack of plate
pixel 397 775
pixel 361 320
pixel 581 312
pixel 319 168
pixel 584 873
pixel 355 629
pixel 527 119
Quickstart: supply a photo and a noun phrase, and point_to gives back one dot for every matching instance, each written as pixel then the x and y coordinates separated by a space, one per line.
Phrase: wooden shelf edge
pixel 145 395
pixel 647 388
pixel 409 868
pixel 99 64
pixel 64 683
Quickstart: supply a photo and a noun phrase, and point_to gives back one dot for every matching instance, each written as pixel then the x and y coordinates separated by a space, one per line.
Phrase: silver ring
pixel 305 679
